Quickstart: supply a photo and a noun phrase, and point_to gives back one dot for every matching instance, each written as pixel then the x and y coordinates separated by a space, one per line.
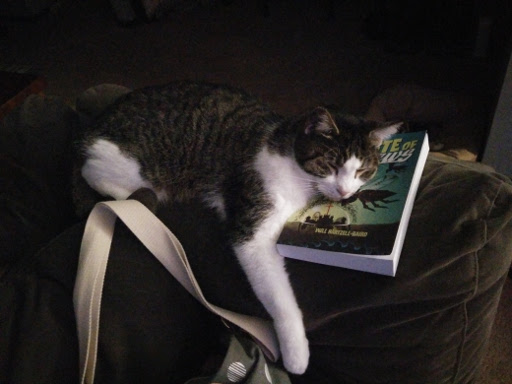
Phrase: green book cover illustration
pixel 371 224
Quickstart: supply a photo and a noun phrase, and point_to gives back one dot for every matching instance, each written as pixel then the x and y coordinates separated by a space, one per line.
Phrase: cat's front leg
pixel 266 272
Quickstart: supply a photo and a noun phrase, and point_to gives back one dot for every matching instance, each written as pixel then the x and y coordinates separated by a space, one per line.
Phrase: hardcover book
pixel 365 232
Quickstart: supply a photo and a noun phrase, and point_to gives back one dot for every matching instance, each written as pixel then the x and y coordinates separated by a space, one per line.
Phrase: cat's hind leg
pixel 110 172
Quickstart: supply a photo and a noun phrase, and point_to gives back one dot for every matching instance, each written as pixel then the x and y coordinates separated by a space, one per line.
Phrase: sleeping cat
pixel 254 167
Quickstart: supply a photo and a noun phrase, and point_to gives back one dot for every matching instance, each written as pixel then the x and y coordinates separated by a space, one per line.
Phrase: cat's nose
pixel 344 194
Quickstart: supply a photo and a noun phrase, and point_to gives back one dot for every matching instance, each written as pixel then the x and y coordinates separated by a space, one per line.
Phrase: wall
pixel 498 150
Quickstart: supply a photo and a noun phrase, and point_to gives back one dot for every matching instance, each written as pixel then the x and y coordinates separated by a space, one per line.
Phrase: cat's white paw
pixel 294 347
pixel 296 357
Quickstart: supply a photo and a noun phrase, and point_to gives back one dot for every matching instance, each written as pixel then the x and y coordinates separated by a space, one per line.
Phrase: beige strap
pixel 162 243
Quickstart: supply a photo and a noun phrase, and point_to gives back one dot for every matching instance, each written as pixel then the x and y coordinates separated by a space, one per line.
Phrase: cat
pixel 254 167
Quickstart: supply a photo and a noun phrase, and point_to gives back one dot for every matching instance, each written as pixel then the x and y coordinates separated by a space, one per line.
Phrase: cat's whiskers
pixel 308 186
pixel 299 178
pixel 301 181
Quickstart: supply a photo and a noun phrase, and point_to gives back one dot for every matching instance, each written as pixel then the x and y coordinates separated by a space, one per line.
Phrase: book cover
pixel 366 231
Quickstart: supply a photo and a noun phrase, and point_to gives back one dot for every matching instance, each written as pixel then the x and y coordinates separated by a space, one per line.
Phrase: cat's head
pixel 340 152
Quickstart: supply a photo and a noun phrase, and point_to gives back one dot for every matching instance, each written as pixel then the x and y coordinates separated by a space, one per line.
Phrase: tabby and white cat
pixel 253 166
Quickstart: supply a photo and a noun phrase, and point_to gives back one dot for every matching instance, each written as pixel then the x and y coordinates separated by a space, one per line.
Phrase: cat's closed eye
pixel 328 133
pixel 365 173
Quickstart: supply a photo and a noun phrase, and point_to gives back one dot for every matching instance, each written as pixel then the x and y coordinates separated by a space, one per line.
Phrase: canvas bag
pixel 249 358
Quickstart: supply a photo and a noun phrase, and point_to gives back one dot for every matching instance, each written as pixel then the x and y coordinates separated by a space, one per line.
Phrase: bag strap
pixel 162 243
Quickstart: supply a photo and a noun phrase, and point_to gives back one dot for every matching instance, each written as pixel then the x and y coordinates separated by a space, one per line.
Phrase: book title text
pixel 397 150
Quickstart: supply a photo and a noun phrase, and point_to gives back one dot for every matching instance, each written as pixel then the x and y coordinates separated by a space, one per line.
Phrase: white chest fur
pixel 287 184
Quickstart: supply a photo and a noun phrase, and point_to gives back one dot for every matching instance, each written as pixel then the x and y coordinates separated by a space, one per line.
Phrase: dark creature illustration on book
pixel 371 196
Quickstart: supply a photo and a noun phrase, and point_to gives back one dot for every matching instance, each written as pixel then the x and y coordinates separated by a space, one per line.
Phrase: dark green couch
pixel 429 324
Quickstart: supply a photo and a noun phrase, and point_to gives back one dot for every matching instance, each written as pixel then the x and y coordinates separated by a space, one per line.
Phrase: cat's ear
pixel 321 122
pixel 384 132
